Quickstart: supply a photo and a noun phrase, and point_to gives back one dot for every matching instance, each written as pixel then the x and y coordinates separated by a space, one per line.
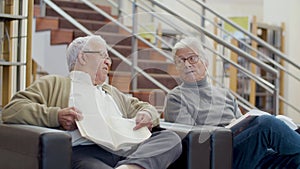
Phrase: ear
pixel 81 58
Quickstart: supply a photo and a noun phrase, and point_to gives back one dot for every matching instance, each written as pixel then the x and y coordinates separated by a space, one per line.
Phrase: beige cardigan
pixel 39 103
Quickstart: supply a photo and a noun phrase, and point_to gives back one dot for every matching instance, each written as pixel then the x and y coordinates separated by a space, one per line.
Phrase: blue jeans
pixel 266 143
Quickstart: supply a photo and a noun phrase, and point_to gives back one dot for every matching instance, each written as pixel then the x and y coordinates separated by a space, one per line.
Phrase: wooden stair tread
pixel 76 4
pixel 78 13
pixel 92 25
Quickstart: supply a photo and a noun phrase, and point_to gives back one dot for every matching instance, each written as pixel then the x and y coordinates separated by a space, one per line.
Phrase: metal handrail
pixel 141 25
pixel 259 53
pixel 91 5
pixel 269 87
pixel 253 37
pixel 240 52
pixel 265 84
pixel 262 82
pixel 273 89
pixel 241 101
pixel 217 39
pixel 82 28
pixel 168 22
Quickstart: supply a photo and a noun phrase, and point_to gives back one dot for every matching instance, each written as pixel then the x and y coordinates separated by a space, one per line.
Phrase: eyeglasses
pixel 191 59
pixel 103 54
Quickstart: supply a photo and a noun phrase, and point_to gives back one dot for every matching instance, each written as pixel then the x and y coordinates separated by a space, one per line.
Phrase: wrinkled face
pixel 189 65
pixel 97 63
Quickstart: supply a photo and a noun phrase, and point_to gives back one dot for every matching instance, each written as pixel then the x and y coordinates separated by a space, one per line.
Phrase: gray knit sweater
pixel 200 103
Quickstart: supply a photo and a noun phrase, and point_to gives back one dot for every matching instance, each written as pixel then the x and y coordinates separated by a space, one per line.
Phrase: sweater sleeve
pixel 177 111
pixel 232 102
pixel 35 105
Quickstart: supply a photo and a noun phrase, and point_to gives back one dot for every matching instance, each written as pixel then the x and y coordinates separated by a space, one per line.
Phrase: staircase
pixel 62 33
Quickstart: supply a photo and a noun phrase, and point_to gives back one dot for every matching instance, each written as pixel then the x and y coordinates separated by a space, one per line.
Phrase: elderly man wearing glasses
pixel 47 103
pixel 267 142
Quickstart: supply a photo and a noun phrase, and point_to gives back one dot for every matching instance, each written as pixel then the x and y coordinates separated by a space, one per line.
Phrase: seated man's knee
pixel 173 139
pixel 267 121
pixel 172 136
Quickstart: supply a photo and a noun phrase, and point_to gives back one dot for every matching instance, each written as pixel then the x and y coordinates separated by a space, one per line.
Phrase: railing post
pixel 282 73
pixel 276 96
pixel 42 8
pixel 203 22
pixel 120 6
pixel 253 68
pixel 134 46
pixel 277 87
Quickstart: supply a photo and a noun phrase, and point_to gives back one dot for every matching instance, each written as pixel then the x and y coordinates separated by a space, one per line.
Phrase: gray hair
pixel 78 45
pixel 192 43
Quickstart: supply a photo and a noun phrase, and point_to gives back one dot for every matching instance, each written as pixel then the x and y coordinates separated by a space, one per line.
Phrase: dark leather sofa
pixel 32 147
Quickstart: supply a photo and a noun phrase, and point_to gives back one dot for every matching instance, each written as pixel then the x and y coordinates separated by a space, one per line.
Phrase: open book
pixel 114 133
pixel 102 122
pixel 242 123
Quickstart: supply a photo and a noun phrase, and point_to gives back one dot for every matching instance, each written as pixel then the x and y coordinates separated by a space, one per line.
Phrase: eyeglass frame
pixel 101 54
pixel 181 61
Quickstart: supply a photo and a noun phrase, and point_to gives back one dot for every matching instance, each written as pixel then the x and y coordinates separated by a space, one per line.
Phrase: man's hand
pixel 143 118
pixel 67 117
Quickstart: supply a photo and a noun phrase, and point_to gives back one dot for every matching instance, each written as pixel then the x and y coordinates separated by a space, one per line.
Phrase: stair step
pixel 80 5
pixel 36 10
pixel 167 80
pixel 75 4
pixel 125 50
pixel 143 52
pixel 149 66
pixel 46 23
pixel 36 2
pixel 151 54
pixel 78 14
pixel 61 36
pixel 92 25
pixel 155 97
pixel 122 81
pixel 112 39
pixel 110 32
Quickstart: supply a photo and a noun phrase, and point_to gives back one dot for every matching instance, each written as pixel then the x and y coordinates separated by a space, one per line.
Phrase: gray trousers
pixel 158 152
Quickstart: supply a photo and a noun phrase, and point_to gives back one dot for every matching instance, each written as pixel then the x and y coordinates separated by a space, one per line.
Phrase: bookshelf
pixel 247 88
pixel 13 47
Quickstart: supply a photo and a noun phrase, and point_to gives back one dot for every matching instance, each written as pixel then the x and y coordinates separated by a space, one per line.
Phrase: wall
pixel 238 7
pixel 53 62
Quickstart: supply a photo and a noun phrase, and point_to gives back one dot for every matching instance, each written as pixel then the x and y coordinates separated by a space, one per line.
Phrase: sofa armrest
pixel 206 146
pixel 32 147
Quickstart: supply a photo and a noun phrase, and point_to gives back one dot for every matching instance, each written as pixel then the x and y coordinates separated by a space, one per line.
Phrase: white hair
pixel 78 45
pixel 192 43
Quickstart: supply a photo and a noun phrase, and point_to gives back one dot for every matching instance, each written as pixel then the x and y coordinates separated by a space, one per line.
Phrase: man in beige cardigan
pixel 46 103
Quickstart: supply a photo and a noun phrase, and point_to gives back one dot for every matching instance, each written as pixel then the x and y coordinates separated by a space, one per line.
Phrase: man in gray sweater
pixel 267 142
